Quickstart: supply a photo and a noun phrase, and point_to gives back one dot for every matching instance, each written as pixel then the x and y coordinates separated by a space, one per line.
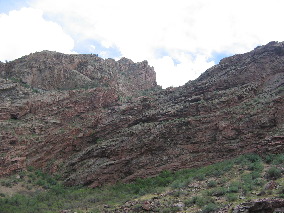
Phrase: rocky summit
pixel 99 121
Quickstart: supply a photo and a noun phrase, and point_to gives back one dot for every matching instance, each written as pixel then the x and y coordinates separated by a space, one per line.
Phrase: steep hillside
pixel 121 126
pixel 50 97
pixel 233 108
pixel 246 184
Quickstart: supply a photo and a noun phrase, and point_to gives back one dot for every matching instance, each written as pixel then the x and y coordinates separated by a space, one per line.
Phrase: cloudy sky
pixel 180 38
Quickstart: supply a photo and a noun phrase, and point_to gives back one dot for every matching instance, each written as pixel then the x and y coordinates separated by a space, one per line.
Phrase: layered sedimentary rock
pixel 51 70
pixel 113 131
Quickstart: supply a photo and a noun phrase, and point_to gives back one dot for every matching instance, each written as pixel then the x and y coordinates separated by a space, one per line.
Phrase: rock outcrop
pixel 51 70
pixel 117 132
pixel 269 205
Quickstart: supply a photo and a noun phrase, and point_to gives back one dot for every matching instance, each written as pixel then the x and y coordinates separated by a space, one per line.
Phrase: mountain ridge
pixel 130 128
pixel 48 70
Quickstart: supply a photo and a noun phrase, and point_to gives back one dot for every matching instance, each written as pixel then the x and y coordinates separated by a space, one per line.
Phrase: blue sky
pixel 8 5
pixel 180 38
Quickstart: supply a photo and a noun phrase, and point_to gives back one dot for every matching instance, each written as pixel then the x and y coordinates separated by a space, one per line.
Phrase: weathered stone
pixel 99 135
pixel 268 205
pixel 48 70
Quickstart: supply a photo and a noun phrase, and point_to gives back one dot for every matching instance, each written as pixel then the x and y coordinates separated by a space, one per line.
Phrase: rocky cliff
pixel 51 70
pixel 117 125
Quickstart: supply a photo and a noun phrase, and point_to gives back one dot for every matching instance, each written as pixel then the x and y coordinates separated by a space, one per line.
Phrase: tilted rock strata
pixel 205 121
pixel 93 137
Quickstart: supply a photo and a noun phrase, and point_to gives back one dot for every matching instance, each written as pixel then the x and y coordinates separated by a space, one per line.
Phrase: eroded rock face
pixel 51 70
pixel 47 98
pixel 269 205
pixel 93 136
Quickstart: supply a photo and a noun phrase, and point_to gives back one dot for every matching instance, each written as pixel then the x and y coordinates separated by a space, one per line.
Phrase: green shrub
pixel 273 173
pixel 231 197
pixel 253 157
pixel 40 182
pixel 256 166
pixel 255 175
pixel 170 209
pixel 247 183
pixel 234 187
pixel 32 176
pixel 218 169
pixel 212 183
pixel 180 183
pixel 188 202
pixel 248 161
pixel 281 191
pixel 176 193
pixel 246 178
pixel 278 159
pixel 222 181
pixel 31 168
pixel 200 177
pixel 95 211
pixel 275 159
pixel 7 183
pixel 51 181
pixel 258 182
pixel 29 187
pixel 239 160
pixel 217 192
pixel 246 189
pixel 211 207
pixel 269 158
pixel 200 200
pixel 165 210
pixel 216 173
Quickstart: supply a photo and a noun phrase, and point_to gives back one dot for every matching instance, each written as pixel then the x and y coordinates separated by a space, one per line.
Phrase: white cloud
pixel 173 74
pixel 188 31
pixel 25 31
pixel 93 47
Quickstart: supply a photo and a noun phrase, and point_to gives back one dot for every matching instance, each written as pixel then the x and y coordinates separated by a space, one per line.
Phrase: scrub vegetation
pixel 205 189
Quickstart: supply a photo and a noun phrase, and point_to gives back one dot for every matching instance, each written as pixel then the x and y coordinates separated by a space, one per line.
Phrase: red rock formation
pixel 99 135
pixel 51 70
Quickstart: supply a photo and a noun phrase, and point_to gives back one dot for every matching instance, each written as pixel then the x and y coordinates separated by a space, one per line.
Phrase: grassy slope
pixel 219 185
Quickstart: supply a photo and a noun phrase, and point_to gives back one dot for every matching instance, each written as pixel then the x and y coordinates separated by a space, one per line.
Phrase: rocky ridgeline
pixel 40 93
pixel 56 71
pixel 93 137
